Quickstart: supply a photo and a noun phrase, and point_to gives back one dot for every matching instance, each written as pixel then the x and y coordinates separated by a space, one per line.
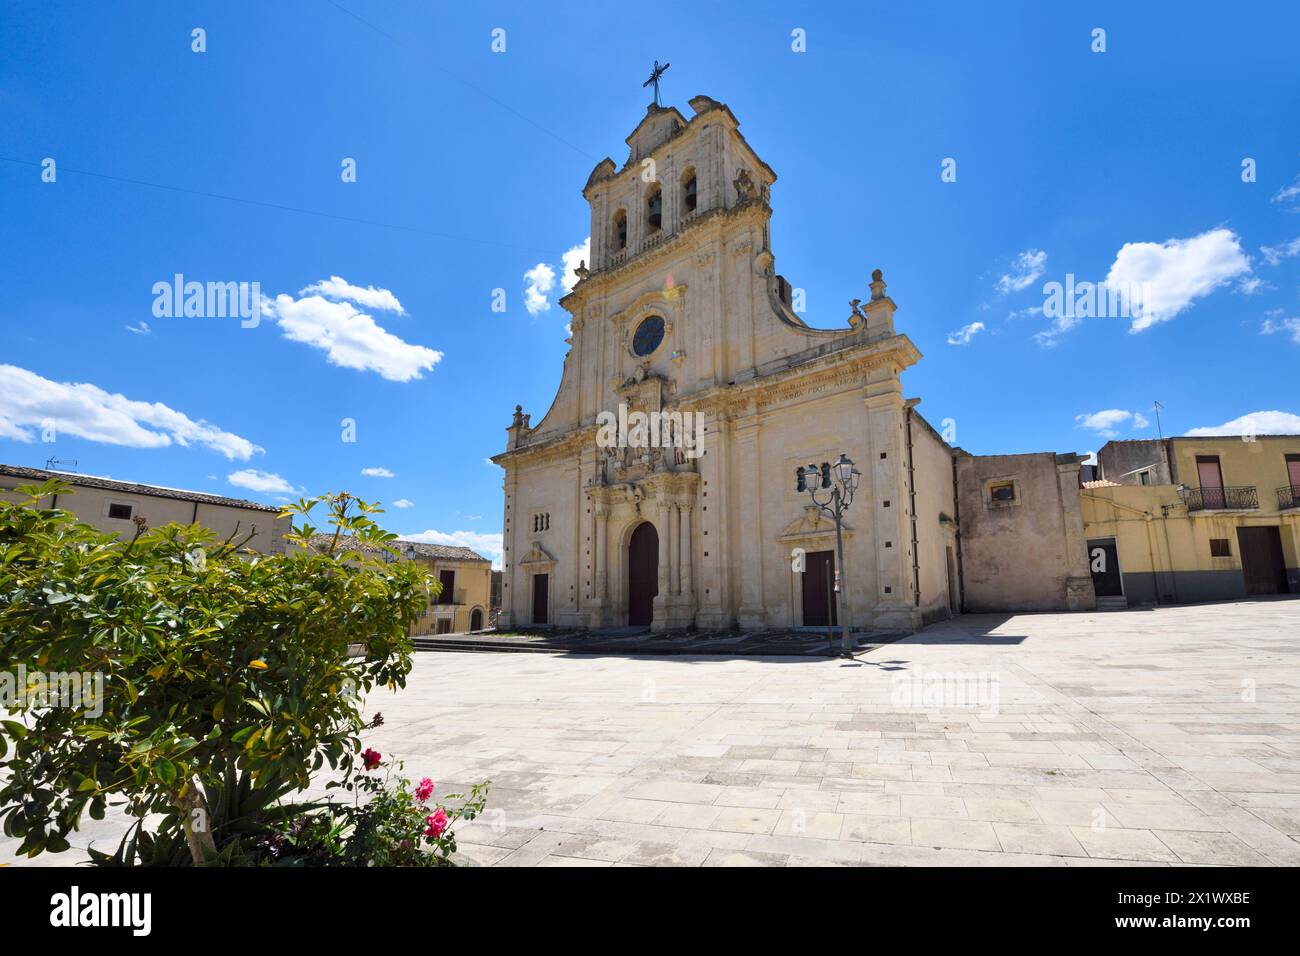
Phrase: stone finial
pixel 519 416
pixel 880 310
pixel 582 271
pixel 877 284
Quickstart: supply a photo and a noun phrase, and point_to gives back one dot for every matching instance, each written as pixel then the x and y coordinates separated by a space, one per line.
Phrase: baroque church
pixel 682 311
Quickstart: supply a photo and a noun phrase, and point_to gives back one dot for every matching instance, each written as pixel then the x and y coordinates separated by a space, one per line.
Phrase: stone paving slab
pixel 1164 737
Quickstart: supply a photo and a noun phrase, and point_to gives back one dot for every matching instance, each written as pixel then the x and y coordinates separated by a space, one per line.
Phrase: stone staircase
pixel 1112 603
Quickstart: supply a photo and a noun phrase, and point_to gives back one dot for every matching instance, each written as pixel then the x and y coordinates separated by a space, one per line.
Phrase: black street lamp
pixel 841 480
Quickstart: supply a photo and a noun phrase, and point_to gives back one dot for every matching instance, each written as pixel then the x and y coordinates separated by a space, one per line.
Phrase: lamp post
pixel 838 482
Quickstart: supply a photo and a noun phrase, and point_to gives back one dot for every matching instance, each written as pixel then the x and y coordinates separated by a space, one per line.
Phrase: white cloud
pixel 488 545
pixel 1026 269
pixel 571 259
pixel 336 287
pixel 1060 325
pixel 967 332
pixel 262 481
pixel 1161 280
pixel 1274 255
pixel 1276 324
pixel 141 329
pixel 1254 423
pixel 377 473
pixel 1106 423
pixel 540 280
pixel 30 403
pixel 350 339
pixel 403 503
pixel 1288 193
pixel 1253 285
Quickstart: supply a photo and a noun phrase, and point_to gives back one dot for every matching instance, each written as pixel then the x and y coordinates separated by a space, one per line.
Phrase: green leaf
pixel 165 770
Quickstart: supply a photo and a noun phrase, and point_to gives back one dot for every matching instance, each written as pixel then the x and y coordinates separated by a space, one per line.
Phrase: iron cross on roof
pixel 657 72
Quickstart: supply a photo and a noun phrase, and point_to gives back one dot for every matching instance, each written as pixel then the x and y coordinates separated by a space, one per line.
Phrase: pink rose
pixel 424 790
pixel 371 758
pixel 437 823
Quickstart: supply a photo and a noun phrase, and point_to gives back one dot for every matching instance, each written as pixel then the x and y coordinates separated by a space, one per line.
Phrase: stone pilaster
pixel 751 613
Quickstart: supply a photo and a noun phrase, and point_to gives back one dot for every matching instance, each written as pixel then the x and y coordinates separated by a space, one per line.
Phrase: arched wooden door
pixel 476 619
pixel 642 573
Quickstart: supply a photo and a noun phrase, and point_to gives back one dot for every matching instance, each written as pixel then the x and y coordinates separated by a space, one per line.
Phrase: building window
pixel 541 522
pixel 120 512
pixel 1144 477
pixel 655 208
pixel 1219 548
pixel 1002 492
pixel 620 230
pixel 447 594
pixel 648 336
pixel 689 200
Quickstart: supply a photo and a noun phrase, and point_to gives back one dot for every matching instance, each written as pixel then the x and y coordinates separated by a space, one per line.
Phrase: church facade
pixel 682 319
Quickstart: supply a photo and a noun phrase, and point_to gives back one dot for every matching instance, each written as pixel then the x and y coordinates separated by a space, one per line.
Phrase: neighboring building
pixel 682 313
pixel 1135 462
pixel 1022 534
pixel 1225 524
pixel 114 506
pixel 466 578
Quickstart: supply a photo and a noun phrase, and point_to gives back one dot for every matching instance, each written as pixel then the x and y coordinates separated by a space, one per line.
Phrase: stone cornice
pixel 563 445
pixel 840 366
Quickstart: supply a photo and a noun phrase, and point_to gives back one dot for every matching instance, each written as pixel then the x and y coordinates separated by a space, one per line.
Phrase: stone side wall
pixel 1029 554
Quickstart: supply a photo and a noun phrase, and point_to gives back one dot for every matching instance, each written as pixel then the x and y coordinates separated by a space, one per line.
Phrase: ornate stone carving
pixel 744 183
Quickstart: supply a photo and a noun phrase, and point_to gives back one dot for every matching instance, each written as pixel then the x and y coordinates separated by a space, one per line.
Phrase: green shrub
pixel 225 672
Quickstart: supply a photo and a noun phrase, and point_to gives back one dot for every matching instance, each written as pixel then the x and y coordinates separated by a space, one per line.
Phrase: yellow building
pixel 115 507
pixel 466 579
pixel 1194 519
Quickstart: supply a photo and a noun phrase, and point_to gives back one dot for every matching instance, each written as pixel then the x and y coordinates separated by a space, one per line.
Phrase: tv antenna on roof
pixel 1159 431
pixel 51 462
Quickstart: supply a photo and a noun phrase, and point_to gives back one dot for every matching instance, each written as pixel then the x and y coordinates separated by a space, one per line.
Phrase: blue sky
pixel 1124 164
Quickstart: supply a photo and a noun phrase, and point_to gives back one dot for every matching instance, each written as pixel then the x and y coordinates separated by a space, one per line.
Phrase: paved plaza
pixel 1167 736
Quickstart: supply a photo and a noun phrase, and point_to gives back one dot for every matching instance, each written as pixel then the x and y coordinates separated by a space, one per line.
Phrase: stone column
pixel 665 548
pixel 687 585
pixel 675 522
pixel 601 579
pixel 751 613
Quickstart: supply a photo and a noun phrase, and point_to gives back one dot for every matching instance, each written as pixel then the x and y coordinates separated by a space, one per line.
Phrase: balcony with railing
pixel 1240 498
pixel 1288 496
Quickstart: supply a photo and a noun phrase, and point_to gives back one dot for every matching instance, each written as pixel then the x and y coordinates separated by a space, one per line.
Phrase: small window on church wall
pixel 688 191
pixel 620 230
pixel 1003 491
pixel 648 335
pixel 655 209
